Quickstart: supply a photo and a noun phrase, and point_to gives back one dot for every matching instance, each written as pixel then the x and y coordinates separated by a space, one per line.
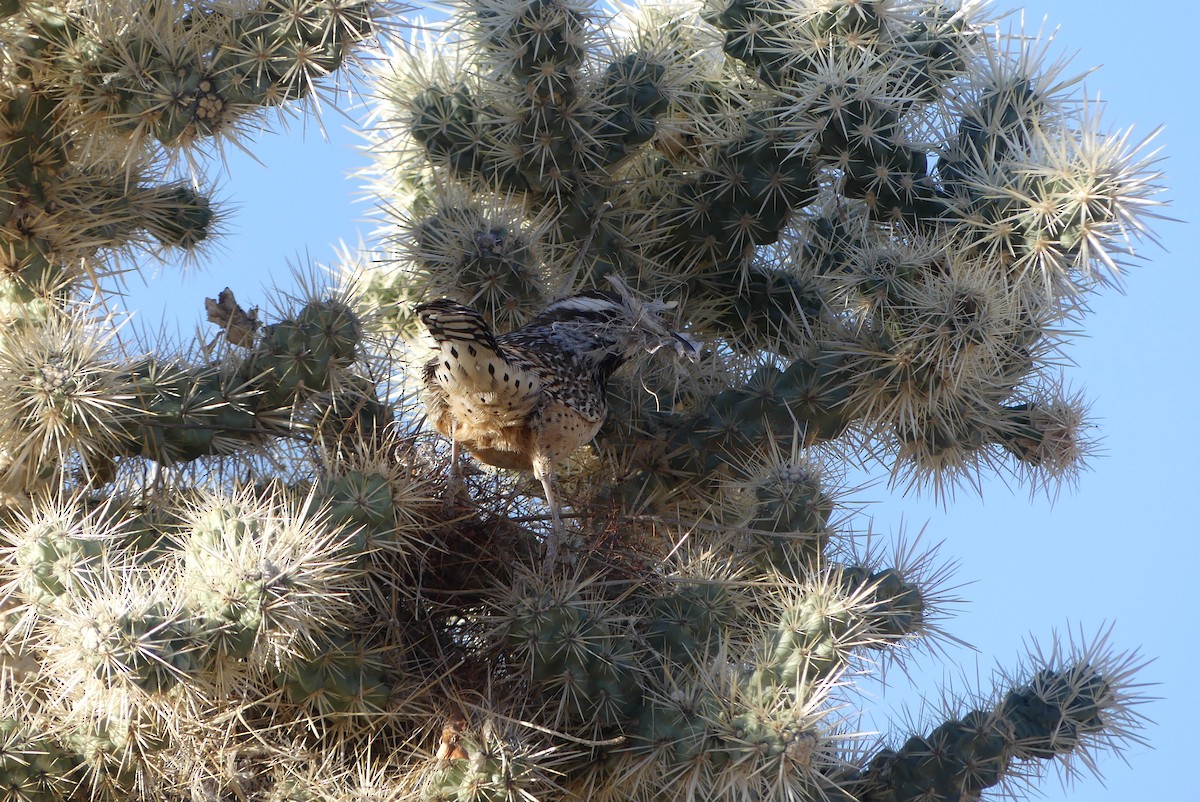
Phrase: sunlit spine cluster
pixel 178 571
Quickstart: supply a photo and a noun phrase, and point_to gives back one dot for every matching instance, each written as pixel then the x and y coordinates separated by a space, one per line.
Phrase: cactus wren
pixel 527 399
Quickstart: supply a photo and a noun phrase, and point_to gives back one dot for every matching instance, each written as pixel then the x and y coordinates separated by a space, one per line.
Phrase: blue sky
pixel 1121 549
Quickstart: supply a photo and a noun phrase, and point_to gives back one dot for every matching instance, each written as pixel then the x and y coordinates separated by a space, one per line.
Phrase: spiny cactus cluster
pixel 97 97
pixel 247 570
pixel 768 201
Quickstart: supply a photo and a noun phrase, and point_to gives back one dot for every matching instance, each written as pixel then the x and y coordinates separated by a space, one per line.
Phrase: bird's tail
pixel 451 321
pixel 469 352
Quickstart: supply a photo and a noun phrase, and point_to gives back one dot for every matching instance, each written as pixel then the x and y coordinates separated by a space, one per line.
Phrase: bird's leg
pixel 454 481
pixel 543 469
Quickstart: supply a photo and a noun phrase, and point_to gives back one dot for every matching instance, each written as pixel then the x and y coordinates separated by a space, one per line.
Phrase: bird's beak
pixel 686 346
pixel 682 344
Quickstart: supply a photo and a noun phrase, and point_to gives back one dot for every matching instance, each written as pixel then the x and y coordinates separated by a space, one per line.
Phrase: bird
pixel 525 400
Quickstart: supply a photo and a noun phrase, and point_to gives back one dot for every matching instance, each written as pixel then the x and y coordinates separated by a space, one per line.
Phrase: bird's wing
pixel 480 378
pixel 567 377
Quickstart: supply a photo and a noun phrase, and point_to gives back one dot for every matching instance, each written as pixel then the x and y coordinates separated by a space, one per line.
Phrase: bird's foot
pixel 552 541
pixel 455 495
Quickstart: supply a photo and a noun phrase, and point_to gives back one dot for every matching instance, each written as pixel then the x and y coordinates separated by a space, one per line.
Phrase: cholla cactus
pixel 241 569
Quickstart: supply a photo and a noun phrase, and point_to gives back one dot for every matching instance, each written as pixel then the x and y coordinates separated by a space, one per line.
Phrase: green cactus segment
pixel 489 768
pixel 229 625
pixel 361 504
pixel 228 601
pixel 260 58
pixel 186 413
pixel 51 560
pixel 558 126
pixel 807 643
pixel 30 156
pixel 108 751
pixel 185 219
pixel 957 760
pixel 174 217
pixel 757 304
pixel 553 633
pixel 337 677
pixel 848 608
pixel 277 53
pixel 895 185
pixel 798 53
pixel 810 395
pixel 304 353
pixel 352 416
pixel 221 522
pixel 33 766
pixel 761 736
pixel 936 44
pixel 1043 216
pixel 758 743
pixel 1041 433
pixel 146 645
pixel 633 95
pixel 790 499
pixel 1057 710
pixel 689 621
pixel 993 130
pixel 446 122
pixel 753 35
pixel 745 194
pixel 41 190
pixel 180 412
pixel 534 38
pixel 87 96
pixel 258 573
pixel 789 528
pixel 899 606
pixel 782 44
pixel 1051 716
pixel 572 651
pixel 676 730
pixel 21 304
pixel 811 398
